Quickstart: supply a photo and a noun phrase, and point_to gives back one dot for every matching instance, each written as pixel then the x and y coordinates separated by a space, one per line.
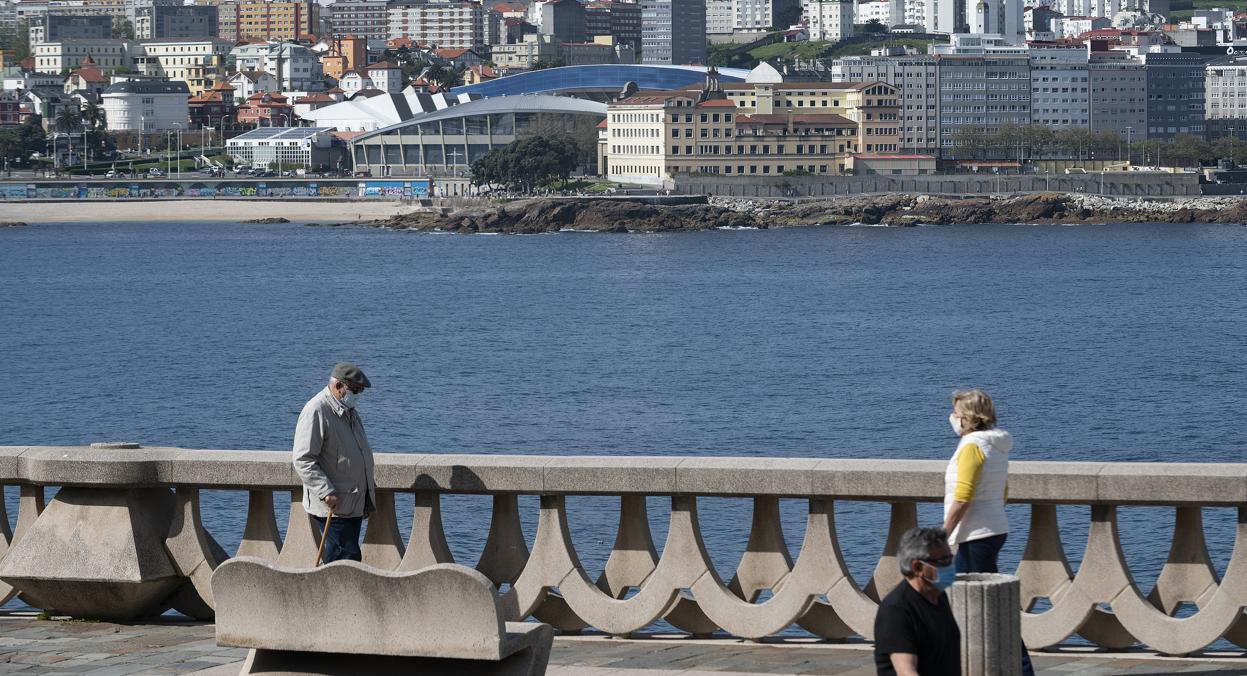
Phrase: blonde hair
pixel 976 410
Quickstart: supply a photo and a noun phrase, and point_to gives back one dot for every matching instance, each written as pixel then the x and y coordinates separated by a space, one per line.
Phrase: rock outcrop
pixel 554 215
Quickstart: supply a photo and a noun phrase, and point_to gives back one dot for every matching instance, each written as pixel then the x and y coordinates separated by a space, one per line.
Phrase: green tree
pixel 68 118
pixel 93 116
pixel 528 163
pixel 123 30
pixel 18 143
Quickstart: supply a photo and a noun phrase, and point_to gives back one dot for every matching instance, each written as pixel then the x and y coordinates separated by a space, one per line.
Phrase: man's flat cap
pixel 350 373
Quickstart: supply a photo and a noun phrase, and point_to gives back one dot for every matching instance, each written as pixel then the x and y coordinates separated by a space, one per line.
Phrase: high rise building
pixel 720 17
pixel 829 20
pixel 916 78
pixel 367 19
pixel 58 26
pixel 446 25
pixel 287 20
pixel 997 17
pixel 760 15
pixel 620 20
pixel 673 32
pixel 1175 93
pixel 1060 85
pixel 176 21
pixel 1118 84
pixel 984 83
pixel 563 20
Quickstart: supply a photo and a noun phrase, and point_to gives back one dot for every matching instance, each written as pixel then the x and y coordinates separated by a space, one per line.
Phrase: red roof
pixel 316 98
pixel 451 53
pixel 602 124
pixel 716 103
pixel 222 86
pixel 382 65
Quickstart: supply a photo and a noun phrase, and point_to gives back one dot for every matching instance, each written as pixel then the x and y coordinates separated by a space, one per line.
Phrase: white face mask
pixel 350 399
pixel 955 422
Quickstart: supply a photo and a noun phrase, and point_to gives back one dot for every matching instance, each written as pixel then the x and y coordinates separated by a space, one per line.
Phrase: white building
pixel 720 17
pixel 196 61
pixel 145 105
pixel 997 17
pixel 248 82
pixel 55 57
pixel 1225 91
pixel 268 146
pixel 917 76
pixel 829 20
pixel 295 67
pixel 915 12
pixel 874 10
pixel 1074 26
pixel 448 25
pixel 759 15
pixel 1060 86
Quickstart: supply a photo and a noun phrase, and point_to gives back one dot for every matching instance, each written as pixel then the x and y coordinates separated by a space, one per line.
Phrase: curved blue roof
pixel 607 76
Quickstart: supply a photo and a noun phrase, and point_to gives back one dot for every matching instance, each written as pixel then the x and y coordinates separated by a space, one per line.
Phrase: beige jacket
pixel 332 456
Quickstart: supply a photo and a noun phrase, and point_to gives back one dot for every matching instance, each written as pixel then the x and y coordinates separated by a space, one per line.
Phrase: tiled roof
pixel 716 103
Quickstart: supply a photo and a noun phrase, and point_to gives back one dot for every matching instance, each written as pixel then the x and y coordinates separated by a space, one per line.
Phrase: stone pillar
pixel 987 608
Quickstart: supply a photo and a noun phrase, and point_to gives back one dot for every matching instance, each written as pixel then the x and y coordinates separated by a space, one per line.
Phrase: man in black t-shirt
pixel 915 631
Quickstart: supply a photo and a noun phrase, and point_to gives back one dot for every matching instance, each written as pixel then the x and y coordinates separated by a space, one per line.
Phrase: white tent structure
pixel 375 112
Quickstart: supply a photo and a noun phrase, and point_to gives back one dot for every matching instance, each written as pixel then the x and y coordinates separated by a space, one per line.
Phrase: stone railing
pixel 124 538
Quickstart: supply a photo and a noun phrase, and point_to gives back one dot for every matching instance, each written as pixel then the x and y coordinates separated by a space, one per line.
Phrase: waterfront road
pixel 29 645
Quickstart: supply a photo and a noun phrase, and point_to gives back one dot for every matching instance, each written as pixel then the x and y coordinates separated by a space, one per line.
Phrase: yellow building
pixel 195 61
pixel 279 21
pixel 747 129
pixel 875 106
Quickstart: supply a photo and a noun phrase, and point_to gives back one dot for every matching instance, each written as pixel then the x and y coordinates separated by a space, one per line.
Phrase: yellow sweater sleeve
pixel 969 467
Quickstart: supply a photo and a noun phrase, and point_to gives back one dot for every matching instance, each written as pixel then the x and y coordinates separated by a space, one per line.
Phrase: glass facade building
pixel 445 142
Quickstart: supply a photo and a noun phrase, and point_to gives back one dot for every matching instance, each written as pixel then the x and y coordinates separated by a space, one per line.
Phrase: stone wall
pixel 1115 184
pixel 123 538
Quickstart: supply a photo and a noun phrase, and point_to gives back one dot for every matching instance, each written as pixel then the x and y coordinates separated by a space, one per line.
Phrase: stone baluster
pixel 29 506
pixel 260 537
pixel 383 545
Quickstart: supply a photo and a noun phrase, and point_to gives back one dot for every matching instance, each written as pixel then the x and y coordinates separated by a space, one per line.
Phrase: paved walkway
pixel 32 646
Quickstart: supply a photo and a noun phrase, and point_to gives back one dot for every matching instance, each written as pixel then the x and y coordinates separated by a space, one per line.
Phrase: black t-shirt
pixel 908 623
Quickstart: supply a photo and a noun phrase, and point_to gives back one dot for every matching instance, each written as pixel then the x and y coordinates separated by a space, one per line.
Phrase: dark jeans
pixel 342 541
pixel 980 556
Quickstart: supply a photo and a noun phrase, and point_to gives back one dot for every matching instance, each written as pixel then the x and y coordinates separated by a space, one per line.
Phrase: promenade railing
pixel 124 538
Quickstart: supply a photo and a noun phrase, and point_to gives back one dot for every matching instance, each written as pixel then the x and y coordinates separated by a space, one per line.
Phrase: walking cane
pixel 323 536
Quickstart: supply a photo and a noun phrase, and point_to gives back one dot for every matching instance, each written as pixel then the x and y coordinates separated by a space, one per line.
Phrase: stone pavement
pixel 32 646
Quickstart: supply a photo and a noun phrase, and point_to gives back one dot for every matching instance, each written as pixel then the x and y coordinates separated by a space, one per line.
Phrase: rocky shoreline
pixel 544 215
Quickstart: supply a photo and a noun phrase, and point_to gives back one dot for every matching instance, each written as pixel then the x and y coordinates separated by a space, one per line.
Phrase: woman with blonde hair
pixel 976 483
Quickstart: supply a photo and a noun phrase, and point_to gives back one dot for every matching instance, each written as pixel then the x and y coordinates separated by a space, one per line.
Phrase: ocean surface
pixel 1098 342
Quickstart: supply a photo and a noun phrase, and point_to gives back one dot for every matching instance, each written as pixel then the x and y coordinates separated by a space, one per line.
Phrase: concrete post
pixel 987 609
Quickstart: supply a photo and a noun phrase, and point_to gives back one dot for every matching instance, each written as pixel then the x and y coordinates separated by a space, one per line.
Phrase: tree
pixel 527 163
pixel 93 116
pixel 874 26
pixel 123 30
pixel 18 143
pixel 68 118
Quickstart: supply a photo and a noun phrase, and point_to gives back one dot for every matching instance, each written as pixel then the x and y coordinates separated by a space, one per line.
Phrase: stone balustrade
pixel 124 538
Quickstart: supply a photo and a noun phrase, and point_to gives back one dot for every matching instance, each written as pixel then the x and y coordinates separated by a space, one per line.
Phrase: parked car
pixel 155 173
pixel 113 173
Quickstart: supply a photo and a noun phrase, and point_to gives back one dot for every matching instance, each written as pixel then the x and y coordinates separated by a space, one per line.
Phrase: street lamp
pixel 179 137
pixel 1129 149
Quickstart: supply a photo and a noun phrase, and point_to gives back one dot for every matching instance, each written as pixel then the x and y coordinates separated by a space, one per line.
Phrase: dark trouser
pixel 342 541
pixel 980 556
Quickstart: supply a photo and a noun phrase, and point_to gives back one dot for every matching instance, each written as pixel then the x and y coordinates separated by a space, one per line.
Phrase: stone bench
pixel 348 618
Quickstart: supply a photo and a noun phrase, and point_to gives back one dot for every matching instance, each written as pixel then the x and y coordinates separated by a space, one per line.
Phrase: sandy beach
pixel 197 210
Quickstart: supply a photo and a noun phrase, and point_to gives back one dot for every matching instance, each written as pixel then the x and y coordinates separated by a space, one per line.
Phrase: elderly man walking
pixel 916 633
pixel 334 462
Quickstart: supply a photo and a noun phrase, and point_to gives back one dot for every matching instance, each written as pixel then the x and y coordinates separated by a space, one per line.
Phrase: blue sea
pixel 1098 342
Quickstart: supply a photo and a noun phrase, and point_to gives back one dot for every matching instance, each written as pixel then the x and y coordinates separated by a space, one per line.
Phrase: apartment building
pixel 760 15
pixel 1118 83
pixel 58 27
pixel 295 67
pixel 830 20
pixel 620 20
pixel 673 32
pixel 367 19
pixel 917 78
pixel 176 21
pixel 1175 93
pixel 259 19
pixel 984 83
pixel 447 25
pixel 1060 85
pixel 196 61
